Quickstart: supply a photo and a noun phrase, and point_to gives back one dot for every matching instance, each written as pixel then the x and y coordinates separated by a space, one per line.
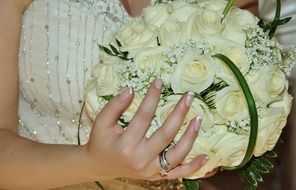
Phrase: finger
pixel 110 114
pixel 143 117
pixel 188 169
pixel 165 134
pixel 212 173
pixel 176 155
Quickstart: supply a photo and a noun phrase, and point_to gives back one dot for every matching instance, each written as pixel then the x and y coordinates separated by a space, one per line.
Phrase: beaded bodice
pixel 58 50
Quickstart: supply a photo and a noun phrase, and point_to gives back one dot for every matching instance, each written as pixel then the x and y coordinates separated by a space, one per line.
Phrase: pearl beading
pixel 50 103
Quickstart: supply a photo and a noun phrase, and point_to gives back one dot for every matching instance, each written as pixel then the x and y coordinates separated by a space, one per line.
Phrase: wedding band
pixel 163 162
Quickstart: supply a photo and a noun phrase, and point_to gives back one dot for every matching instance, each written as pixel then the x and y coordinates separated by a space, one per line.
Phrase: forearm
pixel 135 7
pixel 251 5
pixel 25 164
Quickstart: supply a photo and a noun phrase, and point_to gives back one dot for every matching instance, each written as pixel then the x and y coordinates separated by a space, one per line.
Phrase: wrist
pixel 85 164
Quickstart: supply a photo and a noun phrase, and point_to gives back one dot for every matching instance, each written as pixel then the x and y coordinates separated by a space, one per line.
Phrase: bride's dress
pixel 58 50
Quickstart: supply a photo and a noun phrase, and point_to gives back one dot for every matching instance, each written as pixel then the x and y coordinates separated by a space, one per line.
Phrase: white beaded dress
pixel 58 50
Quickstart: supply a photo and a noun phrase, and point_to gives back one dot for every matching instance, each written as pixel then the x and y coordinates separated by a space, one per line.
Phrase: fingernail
pixel 204 159
pixel 197 124
pixel 158 83
pixel 189 99
pixel 126 93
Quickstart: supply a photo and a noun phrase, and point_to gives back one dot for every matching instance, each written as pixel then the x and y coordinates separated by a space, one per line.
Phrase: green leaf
pixel 124 53
pixel 191 184
pixel 252 110
pixel 284 21
pixel 122 122
pixel 118 43
pixel 257 176
pixel 209 94
pixel 271 154
pixel 251 178
pixel 107 98
pixel 106 50
pixel 256 165
pixel 114 49
pixel 265 163
pixel 214 87
pixel 242 175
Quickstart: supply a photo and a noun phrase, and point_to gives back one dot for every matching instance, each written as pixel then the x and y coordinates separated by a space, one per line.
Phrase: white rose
pixel 216 6
pixel 107 79
pixel 93 103
pixel 172 32
pixel 285 103
pixel 106 59
pixel 243 18
pixel 231 104
pixel 150 60
pixel 206 24
pixel 156 15
pixel 235 33
pixel 193 73
pixel 237 54
pixel 198 108
pixel 136 35
pixel 134 106
pixel 267 84
pixel 271 124
pixel 91 100
pixel 222 147
pixel 183 10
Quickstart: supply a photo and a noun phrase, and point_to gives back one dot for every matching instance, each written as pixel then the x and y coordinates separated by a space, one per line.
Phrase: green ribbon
pixel 252 111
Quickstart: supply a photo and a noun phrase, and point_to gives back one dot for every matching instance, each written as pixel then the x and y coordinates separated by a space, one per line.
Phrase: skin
pixel 25 164
pixel 251 5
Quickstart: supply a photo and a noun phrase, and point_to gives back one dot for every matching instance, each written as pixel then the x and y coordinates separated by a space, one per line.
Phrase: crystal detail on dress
pixel 58 50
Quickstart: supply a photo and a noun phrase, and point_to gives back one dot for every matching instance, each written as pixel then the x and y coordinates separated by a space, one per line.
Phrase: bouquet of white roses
pixel 233 66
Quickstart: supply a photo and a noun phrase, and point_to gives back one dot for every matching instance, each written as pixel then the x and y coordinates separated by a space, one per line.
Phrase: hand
pixel 115 153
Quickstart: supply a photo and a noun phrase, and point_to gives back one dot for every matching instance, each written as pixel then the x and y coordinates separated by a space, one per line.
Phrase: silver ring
pixel 164 163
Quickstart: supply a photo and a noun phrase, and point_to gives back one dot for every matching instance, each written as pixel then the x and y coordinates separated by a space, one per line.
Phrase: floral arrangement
pixel 226 56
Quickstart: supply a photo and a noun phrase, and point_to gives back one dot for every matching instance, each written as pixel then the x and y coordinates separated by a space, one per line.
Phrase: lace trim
pixel 155 185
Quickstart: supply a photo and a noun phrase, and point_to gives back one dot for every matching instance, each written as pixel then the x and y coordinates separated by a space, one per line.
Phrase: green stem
pixel 252 111
pixel 228 7
pixel 276 19
pixel 79 123
pixel 99 185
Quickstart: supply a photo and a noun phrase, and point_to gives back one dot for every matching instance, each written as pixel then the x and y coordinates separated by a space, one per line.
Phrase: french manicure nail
pixel 205 158
pixel 189 99
pixel 197 123
pixel 158 83
pixel 126 93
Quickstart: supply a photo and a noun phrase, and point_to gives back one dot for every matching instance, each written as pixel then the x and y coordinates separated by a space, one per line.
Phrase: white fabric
pixel 58 50
pixel 286 33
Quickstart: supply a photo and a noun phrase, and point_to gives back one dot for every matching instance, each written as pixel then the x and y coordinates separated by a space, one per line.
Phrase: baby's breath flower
pixel 261 50
pixel 289 60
